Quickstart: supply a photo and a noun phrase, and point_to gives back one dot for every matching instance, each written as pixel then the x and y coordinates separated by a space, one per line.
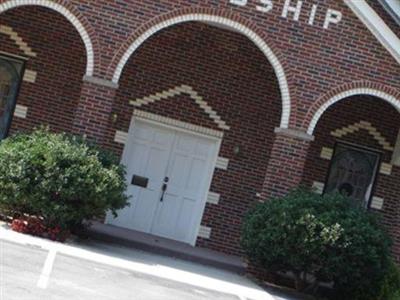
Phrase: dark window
pixel 353 172
pixel 11 71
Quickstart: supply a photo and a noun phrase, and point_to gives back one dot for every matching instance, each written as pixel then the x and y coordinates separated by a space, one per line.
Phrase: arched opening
pixel 197 74
pixel 221 22
pixel 55 62
pixel 356 151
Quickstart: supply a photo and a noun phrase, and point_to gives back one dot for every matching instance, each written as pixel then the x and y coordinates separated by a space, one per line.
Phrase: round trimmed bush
pixel 58 178
pixel 320 239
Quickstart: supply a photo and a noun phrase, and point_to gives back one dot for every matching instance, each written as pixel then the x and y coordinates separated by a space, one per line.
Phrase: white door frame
pixel 200 207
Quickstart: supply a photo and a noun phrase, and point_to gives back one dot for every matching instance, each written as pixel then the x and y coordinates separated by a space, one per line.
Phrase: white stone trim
pixel 326 153
pixel 20 111
pixel 359 91
pixel 173 122
pixel 213 198
pixel 121 137
pixel 377 202
pixel 251 35
pixel 222 163
pixel 319 187
pixel 386 169
pixel 23 46
pixel 68 15
pixel 341 132
pixel 204 232
pixel 178 90
pixel 30 76
pixel 377 26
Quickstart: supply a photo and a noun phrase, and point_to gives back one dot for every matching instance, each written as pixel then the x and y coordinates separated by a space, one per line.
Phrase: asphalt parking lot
pixel 23 277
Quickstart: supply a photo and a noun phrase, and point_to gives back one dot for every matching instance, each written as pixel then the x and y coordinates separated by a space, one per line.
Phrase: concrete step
pixel 163 246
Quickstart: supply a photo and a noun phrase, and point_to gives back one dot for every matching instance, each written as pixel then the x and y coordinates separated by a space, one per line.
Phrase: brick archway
pixel 360 88
pixel 211 17
pixel 73 17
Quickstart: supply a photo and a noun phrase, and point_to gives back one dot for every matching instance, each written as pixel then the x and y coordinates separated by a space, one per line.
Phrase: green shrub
pixel 328 237
pixel 59 178
pixel 390 285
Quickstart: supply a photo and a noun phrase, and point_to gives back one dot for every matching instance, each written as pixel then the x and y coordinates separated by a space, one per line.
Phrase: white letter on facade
pixel 332 16
pixel 312 14
pixel 295 9
pixel 266 7
pixel 239 2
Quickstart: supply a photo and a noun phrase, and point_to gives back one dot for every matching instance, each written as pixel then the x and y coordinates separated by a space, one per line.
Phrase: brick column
pixel 287 161
pixel 94 109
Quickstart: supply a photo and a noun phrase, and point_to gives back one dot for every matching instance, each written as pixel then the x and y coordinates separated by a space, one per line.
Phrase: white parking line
pixel 190 276
pixel 46 271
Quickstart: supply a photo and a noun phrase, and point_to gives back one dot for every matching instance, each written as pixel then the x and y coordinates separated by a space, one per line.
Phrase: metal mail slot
pixel 140 181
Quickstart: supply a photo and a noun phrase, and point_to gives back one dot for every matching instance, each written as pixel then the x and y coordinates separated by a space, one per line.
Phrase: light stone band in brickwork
pixel 250 34
pixel 377 202
pixel 204 232
pixel 359 91
pixel 68 15
pixel 20 111
pixel 213 198
pixel 23 46
pixel 178 90
pixel 30 76
pixel 222 163
pixel 169 121
pixel 121 137
pixel 366 126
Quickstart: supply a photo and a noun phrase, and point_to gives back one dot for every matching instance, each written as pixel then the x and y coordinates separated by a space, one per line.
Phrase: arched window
pixel 10 77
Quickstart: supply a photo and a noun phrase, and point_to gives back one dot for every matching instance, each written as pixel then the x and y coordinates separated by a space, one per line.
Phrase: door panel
pixel 188 169
pixel 146 155
pixel 157 152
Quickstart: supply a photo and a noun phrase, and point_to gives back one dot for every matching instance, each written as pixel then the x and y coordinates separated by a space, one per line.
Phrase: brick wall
pixel 224 67
pixel 59 65
pixel 232 76
pixel 385 119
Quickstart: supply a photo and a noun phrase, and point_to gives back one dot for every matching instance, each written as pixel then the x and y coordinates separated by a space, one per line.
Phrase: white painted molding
pixel 341 132
pixel 121 137
pixel 319 187
pixel 68 15
pixel 213 198
pixel 204 232
pixel 222 163
pixel 359 91
pixel 173 122
pixel 377 26
pixel 377 202
pixel 251 35
pixel 22 45
pixel 178 90
pixel 20 111
pixel 30 76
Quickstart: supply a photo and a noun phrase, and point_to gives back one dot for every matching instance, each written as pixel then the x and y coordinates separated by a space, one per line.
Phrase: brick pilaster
pixel 287 161
pixel 94 109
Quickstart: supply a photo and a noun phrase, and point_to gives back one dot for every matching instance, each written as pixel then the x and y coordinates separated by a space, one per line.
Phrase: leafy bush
pixel 327 238
pixel 61 179
pixel 390 285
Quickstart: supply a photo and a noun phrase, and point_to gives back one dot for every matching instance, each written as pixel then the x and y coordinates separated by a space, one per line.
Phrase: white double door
pixel 178 168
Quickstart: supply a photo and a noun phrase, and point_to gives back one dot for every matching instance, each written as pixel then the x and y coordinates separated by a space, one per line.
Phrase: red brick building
pixel 214 105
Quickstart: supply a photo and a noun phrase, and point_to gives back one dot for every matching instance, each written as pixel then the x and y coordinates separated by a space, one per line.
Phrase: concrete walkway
pixel 94 270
